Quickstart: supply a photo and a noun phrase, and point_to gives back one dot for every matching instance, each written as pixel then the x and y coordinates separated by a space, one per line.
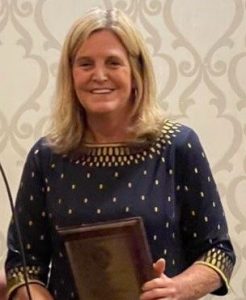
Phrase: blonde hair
pixel 68 121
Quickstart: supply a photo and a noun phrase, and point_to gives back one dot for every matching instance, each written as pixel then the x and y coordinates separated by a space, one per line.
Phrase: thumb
pixel 159 266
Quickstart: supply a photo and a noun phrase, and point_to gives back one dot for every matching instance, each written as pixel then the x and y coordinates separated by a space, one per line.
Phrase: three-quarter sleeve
pixel 203 223
pixel 32 215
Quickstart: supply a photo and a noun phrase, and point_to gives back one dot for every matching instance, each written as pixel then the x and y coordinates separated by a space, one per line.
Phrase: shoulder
pixel 181 142
pixel 41 146
pixel 179 135
pixel 40 152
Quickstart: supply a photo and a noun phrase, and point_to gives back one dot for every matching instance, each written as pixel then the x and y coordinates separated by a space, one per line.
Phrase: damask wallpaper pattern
pixel 199 54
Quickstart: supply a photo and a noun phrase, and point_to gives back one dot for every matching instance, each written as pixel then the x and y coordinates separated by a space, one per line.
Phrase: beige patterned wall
pixel 199 52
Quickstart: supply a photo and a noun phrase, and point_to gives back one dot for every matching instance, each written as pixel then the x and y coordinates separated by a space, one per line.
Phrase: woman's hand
pixel 38 292
pixel 192 284
pixel 162 287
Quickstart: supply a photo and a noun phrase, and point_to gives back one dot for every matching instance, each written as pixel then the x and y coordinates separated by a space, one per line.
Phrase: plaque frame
pixel 110 260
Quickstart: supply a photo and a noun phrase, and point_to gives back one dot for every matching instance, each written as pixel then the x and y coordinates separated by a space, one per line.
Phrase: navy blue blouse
pixel 168 183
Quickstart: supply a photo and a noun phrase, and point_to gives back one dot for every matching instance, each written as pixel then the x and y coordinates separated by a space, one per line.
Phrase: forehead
pixel 103 41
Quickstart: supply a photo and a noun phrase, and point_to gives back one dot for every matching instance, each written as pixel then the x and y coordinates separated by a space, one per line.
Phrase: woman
pixel 110 154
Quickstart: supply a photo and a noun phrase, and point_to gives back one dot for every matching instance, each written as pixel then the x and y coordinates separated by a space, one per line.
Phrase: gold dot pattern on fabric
pixel 156 209
pixel 87 193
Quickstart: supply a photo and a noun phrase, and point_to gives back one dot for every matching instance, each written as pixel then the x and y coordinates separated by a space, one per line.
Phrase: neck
pixel 105 130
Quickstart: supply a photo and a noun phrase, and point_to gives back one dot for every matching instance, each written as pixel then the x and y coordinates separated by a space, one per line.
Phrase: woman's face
pixel 102 76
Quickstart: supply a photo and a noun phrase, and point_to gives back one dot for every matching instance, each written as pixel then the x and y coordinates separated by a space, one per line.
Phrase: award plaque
pixel 109 260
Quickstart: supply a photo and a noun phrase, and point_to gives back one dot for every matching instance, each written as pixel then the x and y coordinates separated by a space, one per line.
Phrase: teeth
pixel 101 91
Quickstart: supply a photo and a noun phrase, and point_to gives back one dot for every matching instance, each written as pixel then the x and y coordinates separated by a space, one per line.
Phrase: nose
pixel 99 74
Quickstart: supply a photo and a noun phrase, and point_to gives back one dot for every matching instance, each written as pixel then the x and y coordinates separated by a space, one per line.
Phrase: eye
pixel 113 63
pixel 85 64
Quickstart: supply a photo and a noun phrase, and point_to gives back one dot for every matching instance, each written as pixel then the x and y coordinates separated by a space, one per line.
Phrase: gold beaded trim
pixel 121 154
pixel 220 262
pixel 15 278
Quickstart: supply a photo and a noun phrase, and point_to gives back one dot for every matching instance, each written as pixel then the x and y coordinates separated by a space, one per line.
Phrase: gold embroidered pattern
pixel 15 277
pixel 219 260
pixel 121 154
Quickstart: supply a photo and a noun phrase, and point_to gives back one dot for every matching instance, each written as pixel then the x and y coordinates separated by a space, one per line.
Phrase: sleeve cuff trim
pixel 217 270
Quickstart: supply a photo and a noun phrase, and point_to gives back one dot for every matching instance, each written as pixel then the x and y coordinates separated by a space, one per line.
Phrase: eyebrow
pixel 85 58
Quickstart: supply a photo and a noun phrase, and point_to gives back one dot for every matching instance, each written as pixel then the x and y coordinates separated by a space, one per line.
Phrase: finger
pixel 158 293
pixel 159 266
pixel 159 282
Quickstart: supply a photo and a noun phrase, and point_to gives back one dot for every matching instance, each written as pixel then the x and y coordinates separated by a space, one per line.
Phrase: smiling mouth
pixel 102 91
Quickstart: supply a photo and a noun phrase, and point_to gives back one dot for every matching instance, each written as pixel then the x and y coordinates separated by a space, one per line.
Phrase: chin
pixel 102 110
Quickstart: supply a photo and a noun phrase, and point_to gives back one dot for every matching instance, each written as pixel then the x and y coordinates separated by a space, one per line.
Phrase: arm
pixel 38 292
pixel 203 224
pixel 194 283
pixel 31 210
pixel 206 243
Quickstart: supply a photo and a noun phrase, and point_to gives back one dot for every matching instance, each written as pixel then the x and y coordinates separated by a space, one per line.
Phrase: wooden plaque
pixel 109 260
